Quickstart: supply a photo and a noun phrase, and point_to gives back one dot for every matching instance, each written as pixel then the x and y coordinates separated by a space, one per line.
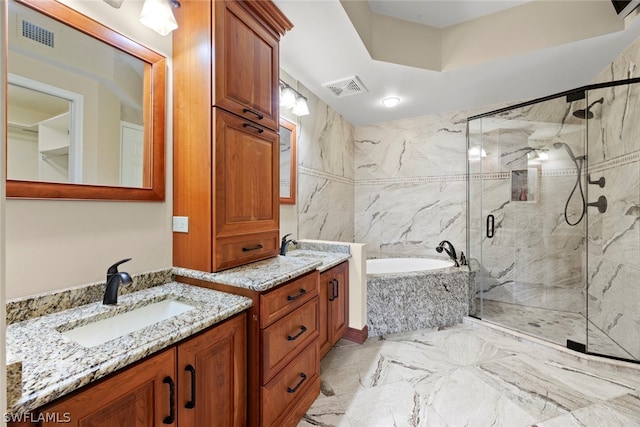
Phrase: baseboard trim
pixel 358 336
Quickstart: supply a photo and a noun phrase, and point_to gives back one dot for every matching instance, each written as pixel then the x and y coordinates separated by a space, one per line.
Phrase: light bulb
pixel 157 15
pixel 391 101
pixel 287 97
pixel 301 108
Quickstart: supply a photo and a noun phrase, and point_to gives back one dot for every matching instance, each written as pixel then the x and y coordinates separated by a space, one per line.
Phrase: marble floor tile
pixel 622 411
pixel 471 375
pixel 553 325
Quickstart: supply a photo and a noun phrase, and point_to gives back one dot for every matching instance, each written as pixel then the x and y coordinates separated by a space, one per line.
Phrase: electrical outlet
pixel 181 224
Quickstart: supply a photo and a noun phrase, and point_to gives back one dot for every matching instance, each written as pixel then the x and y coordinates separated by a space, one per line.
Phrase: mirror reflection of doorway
pixel 42 132
pixel 131 155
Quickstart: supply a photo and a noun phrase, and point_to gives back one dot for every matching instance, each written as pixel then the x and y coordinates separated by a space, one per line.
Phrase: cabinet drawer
pixel 239 250
pixel 290 385
pixel 278 302
pixel 282 340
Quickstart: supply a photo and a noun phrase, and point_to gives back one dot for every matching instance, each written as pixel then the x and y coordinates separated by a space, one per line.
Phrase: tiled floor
pixel 554 325
pixel 471 375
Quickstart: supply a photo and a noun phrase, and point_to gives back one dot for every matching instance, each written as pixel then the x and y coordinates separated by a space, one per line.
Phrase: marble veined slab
pixel 470 375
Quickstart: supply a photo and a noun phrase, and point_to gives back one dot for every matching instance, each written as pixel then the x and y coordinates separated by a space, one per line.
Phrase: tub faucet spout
pixel 451 251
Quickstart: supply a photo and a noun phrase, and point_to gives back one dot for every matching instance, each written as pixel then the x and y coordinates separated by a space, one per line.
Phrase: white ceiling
pixel 440 14
pixel 324 47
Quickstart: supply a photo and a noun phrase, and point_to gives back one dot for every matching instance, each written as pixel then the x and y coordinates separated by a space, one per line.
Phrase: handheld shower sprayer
pixel 558 145
pixel 578 162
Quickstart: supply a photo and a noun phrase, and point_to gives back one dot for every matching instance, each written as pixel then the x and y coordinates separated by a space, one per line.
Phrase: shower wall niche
pixel 550 265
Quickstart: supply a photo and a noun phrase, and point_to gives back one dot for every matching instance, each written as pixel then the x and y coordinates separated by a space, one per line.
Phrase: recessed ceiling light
pixel 390 102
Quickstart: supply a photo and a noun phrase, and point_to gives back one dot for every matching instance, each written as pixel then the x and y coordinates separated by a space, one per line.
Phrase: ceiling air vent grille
pixel 346 87
pixel 37 34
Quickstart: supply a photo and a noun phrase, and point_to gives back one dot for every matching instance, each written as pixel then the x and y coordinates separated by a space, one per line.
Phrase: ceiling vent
pixel 37 34
pixel 346 87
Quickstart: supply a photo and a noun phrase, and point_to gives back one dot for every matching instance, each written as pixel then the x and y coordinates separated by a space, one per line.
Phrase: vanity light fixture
pixel 157 15
pixel 287 97
pixel 301 108
pixel 391 101
pixel 291 98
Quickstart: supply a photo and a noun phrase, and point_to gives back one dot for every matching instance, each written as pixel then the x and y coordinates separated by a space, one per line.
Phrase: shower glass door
pixel 554 218
pixel 526 218
pixel 613 279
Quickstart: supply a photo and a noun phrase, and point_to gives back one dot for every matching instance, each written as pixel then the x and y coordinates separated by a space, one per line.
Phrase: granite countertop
pixel 328 259
pixel 54 365
pixel 258 276
pixel 266 274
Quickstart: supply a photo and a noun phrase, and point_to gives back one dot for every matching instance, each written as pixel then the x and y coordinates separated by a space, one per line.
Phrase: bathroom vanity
pixel 291 318
pixel 248 356
pixel 174 371
pixel 152 391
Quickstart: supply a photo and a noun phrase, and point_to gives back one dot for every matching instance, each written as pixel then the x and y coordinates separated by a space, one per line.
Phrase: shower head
pixel 586 113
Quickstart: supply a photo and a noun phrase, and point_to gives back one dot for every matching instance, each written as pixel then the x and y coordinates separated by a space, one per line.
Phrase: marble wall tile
pixel 411 218
pixel 325 142
pixel 325 207
pixel 325 200
pixel 431 145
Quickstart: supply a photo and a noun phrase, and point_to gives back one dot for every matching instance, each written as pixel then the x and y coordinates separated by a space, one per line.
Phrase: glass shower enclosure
pixel 554 218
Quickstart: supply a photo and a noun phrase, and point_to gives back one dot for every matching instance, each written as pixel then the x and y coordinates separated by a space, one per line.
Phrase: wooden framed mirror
pixel 86 108
pixel 288 162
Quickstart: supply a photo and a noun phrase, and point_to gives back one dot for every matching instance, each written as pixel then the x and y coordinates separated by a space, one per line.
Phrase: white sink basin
pixel 104 330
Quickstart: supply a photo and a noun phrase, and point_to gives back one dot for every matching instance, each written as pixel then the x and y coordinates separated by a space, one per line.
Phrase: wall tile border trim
pixel 325 175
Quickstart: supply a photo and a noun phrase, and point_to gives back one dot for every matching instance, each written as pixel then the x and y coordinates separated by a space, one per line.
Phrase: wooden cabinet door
pixel 139 396
pixel 246 66
pixel 246 177
pixel 212 376
pixel 334 306
pixel 323 312
pixel 340 303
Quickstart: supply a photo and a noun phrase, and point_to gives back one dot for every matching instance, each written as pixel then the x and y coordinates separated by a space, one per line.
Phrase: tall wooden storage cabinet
pixel 225 120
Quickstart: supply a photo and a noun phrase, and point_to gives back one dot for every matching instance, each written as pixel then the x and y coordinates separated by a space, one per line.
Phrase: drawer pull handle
pixel 249 125
pixel 337 295
pixel 172 401
pixel 303 377
pixel 295 297
pixel 192 402
pixel 258 115
pixel 303 329
pixel 252 248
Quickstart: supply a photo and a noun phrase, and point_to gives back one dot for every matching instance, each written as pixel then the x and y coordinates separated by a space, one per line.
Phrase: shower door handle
pixel 491 220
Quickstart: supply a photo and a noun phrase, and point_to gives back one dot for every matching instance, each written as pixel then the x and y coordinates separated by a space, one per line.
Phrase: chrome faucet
pixel 285 244
pixel 114 278
pixel 451 251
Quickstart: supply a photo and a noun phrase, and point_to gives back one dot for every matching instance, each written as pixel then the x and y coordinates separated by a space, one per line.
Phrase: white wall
pixel 52 245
